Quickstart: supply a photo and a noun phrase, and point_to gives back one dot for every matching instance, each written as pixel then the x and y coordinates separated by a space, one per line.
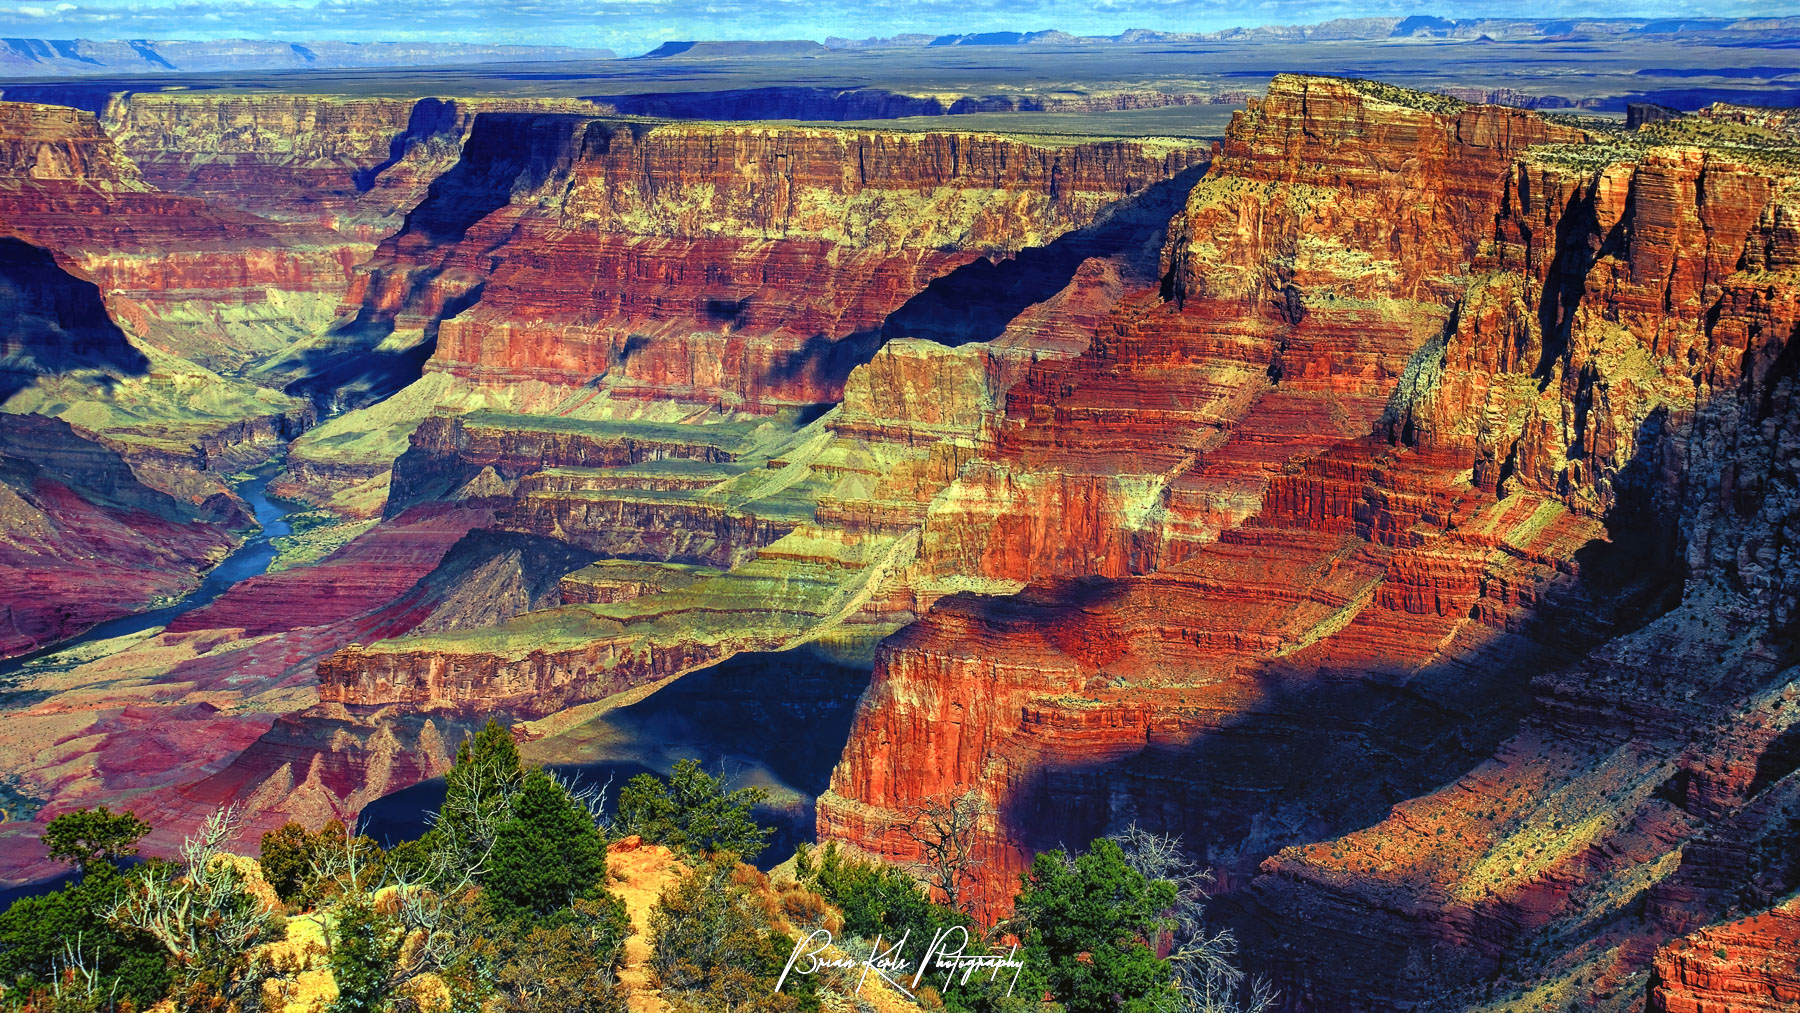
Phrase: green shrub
pixel 36 934
pixel 300 864
pixel 87 838
pixel 553 969
pixel 718 945
pixel 875 899
pixel 1087 925
pixel 364 946
pixel 546 854
pixel 693 811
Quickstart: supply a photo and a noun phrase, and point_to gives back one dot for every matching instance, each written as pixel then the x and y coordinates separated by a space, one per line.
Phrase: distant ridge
pixel 73 57
pixel 1418 26
pixel 718 50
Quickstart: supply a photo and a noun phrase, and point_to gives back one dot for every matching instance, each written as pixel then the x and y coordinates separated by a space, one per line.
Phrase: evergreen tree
pixel 876 899
pixel 40 935
pixel 294 860
pixel 477 796
pixel 546 854
pixel 1087 926
pixel 364 948
pixel 87 838
pixel 693 811
pixel 37 935
pixel 716 946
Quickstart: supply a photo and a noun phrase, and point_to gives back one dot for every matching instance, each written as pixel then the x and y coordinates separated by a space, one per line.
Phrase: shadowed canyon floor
pixel 1398 499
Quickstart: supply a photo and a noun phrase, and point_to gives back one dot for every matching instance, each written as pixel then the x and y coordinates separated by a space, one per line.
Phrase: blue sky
pixel 632 26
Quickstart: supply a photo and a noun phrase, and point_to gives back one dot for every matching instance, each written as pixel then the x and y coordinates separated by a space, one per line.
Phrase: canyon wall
pixel 1433 400
pixel 1752 964
pixel 1397 502
pixel 102 281
pixel 357 165
pixel 737 266
pixel 626 319
pixel 217 287
pixel 567 264
pixel 82 540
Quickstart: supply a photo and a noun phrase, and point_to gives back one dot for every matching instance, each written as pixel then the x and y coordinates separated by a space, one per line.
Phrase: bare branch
pixel 591 797
pixel 946 831
pixel 198 909
pixel 1207 974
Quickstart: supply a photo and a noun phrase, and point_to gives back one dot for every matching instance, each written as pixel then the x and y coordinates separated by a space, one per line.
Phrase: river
pixel 774 720
pixel 247 560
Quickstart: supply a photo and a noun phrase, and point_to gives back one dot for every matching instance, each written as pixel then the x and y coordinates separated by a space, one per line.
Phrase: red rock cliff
pixel 353 164
pixel 739 266
pixel 1435 400
pixel 157 256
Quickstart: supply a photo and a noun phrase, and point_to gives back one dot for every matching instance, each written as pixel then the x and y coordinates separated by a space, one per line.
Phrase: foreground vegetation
pixel 505 905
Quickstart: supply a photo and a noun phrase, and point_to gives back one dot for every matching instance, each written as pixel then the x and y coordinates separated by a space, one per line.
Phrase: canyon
pixel 1396 499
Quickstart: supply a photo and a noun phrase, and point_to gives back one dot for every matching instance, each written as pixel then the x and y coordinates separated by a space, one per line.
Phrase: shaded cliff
pixel 731 531
pixel 357 165
pixel 56 323
pixel 101 280
pixel 1460 420
pixel 727 265
pixel 802 103
pixel 218 287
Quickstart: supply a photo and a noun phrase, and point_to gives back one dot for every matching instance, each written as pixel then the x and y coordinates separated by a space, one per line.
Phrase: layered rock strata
pixel 219 287
pixel 1408 523
pixel 157 722
pixel 1752 964
pixel 1434 399
pixel 568 264
pixel 85 541
pixel 357 165
pixel 738 266
pixel 94 267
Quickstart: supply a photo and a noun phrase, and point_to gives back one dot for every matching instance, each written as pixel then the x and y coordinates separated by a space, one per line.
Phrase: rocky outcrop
pixel 448 451
pixel 371 572
pixel 1309 525
pixel 1752 964
pixel 1289 306
pixel 218 287
pixel 42 144
pixel 357 165
pixel 736 266
pixel 83 541
pixel 1652 331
